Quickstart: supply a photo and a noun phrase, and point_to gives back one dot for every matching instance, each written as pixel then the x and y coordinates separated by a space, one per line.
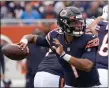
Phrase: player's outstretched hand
pixel 22 46
pixel 58 47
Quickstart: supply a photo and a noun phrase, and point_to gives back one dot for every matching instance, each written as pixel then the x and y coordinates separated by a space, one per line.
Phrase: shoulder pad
pixel 93 42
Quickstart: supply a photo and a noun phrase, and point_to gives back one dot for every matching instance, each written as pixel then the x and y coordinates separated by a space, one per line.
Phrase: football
pixel 13 52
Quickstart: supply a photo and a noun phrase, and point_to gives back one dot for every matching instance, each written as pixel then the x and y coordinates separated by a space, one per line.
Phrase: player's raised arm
pixel 34 39
pixel 84 64
pixel 92 26
pixel 98 19
pixel 29 38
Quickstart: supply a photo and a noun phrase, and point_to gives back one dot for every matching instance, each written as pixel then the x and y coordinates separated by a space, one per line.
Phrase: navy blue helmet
pixel 71 21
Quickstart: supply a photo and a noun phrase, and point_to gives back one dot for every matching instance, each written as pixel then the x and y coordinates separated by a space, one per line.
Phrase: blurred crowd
pixel 47 9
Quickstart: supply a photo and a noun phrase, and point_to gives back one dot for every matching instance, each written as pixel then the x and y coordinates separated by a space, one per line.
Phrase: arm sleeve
pixel 91 49
pixel 46 41
pixel 90 53
pixel 41 41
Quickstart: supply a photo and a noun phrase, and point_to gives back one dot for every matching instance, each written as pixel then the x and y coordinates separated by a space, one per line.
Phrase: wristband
pixel 24 41
pixel 65 56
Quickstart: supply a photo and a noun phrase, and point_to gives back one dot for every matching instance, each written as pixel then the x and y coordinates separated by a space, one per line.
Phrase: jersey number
pixel 104 47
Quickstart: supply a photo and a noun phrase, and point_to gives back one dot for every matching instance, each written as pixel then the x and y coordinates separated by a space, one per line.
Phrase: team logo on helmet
pixel 63 13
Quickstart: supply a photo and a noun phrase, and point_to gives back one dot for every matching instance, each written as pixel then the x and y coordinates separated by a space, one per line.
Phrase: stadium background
pixel 13 27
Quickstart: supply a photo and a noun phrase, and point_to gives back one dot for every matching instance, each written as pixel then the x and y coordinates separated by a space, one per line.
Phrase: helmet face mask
pixel 71 21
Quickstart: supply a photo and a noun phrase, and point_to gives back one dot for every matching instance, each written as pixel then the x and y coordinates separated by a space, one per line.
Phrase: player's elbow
pixel 89 66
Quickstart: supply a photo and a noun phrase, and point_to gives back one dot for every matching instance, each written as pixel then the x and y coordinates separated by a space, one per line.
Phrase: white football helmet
pixel 105 13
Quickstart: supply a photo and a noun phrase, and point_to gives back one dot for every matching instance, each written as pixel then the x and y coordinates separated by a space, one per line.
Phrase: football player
pixel 75 50
pixel 100 27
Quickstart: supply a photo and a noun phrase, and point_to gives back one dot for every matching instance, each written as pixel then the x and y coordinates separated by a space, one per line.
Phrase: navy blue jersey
pixel 81 47
pixel 102 55
pixel 36 55
pixel 50 62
